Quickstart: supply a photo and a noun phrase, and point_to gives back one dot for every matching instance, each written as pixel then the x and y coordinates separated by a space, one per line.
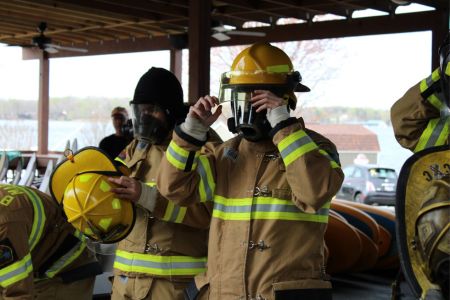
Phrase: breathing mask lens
pixel 242 117
pixel 146 126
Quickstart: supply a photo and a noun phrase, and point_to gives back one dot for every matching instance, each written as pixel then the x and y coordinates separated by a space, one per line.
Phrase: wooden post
pixel 199 48
pixel 43 103
pixel 176 62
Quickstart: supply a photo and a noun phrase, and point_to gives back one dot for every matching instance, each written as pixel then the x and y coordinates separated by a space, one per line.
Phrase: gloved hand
pixel 200 117
pixel 276 108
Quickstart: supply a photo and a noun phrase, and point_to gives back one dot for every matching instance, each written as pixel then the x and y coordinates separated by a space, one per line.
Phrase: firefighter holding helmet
pixel 167 246
pixel 421 123
pixel 271 185
pixel 43 253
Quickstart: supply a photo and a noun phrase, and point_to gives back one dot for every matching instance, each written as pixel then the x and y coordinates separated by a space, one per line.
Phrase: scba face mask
pixel 242 116
pixel 146 127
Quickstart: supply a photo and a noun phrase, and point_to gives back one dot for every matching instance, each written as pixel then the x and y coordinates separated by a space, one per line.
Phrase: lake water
pixel 21 134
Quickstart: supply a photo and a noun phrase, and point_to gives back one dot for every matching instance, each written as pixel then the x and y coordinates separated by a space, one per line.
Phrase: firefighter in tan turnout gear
pixel 168 245
pixel 42 256
pixel 421 123
pixel 271 185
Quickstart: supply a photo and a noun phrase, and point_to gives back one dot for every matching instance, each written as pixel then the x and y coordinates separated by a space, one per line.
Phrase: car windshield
pixel 382 173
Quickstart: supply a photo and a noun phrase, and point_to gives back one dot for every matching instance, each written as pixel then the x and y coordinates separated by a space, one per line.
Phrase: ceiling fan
pixel 223 32
pixel 219 31
pixel 45 43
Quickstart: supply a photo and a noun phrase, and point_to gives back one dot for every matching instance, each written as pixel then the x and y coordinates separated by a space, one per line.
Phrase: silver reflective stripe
pixel 295 145
pixel 67 258
pixel 432 140
pixel 20 270
pixel 39 217
pixel 429 80
pixel 160 265
pixel 204 178
pixel 175 212
pixel 178 157
pixel 263 208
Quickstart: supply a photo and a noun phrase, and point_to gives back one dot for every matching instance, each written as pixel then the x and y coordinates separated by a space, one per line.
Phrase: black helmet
pixel 160 88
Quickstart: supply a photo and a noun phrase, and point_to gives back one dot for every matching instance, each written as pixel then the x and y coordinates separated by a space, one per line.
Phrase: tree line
pixel 69 108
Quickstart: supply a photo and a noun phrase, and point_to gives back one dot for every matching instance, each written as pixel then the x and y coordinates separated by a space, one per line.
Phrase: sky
pixel 370 71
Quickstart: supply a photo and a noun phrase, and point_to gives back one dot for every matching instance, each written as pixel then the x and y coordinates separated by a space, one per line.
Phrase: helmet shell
pixel 94 210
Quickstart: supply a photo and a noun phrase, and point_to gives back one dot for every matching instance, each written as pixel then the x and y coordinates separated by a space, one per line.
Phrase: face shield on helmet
pixel 259 67
pixel 149 122
pixel 157 105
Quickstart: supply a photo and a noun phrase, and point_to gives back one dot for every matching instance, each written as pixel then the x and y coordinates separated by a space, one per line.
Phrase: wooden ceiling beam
pixel 113 47
pixel 110 9
pixel 86 28
pixel 283 33
pixel 48 8
pixel 132 5
pixel 339 28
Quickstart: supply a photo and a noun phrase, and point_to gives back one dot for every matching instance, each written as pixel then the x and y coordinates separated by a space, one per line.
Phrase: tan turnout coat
pixel 54 237
pixel 270 212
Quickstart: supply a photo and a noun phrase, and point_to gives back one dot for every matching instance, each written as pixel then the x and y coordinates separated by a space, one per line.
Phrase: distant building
pixel 355 143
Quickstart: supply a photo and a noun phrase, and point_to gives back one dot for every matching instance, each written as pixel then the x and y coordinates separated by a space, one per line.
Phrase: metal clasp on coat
pixel 152 248
pixel 261 246
pixel 262 191
pixel 271 156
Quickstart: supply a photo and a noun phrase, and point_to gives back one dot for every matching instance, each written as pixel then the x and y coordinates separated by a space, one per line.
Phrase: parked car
pixel 369 184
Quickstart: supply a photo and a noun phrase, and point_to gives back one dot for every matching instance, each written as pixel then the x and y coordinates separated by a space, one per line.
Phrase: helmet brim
pixel 88 159
pixel 302 88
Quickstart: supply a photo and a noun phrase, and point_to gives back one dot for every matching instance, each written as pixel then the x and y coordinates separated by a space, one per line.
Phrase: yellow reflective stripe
pixel 435 134
pixel 159 265
pixel 207 185
pixel 169 211
pixel 447 69
pixel 333 163
pixel 181 214
pixel 120 160
pixel 67 258
pixel 174 213
pixel 298 153
pixel 295 145
pixel 436 102
pixel 178 157
pixel 290 139
pixel 268 208
pixel 16 272
pixel 278 69
pixel 289 217
pixel 434 99
pixel 38 218
pixel 151 184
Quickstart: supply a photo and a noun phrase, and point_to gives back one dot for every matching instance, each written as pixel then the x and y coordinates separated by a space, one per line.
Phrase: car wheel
pixel 358 198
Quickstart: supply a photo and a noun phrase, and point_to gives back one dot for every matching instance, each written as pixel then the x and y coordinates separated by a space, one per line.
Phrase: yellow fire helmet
pixel 261 66
pixel 80 184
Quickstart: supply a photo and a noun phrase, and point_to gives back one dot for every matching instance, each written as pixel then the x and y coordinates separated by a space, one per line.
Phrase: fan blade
pixel 67 48
pixel 220 36
pixel 247 33
pixel 51 50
